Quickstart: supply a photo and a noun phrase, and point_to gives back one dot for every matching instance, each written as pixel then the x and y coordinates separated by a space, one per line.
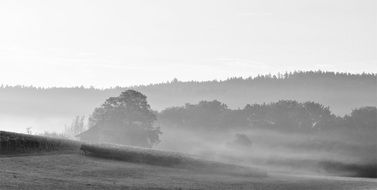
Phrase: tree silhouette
pixel 127 119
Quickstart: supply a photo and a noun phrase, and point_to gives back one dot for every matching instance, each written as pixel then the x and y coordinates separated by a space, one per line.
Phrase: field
pixel 70 168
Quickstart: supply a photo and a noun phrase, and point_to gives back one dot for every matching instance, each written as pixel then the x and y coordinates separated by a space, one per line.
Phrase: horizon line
pixel 175 79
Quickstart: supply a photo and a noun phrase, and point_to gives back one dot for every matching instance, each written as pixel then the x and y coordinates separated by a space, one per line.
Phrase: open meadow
pixel 67 167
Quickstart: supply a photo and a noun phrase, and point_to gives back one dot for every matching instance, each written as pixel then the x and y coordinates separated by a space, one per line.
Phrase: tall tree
pixel 128 114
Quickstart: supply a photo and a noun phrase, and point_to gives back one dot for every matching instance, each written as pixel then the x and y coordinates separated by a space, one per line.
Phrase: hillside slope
pixel 73 171
pixel 18 145
pixel 32 162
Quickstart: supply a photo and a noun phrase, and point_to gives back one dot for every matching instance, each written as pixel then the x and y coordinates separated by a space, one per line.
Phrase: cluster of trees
pixel 284 116
pixel 207 114
pixel 129 119
pixel 131 112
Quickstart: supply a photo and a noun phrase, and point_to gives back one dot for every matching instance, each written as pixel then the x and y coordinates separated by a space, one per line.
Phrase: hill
pixel 329 88
pixel 15 144
pixel 57 168
pixel 72 171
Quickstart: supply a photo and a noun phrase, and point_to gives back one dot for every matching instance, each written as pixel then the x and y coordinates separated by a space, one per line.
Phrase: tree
pixel 77 127
pixel 288 115
pixel 129 119
pixel 28 131
pixel 362 121
pixel 317 115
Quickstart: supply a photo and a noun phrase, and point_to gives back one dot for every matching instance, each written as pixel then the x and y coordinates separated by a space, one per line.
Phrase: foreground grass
pixel 32 162
pixel 14 144
pixel 74 171
pixel 19 144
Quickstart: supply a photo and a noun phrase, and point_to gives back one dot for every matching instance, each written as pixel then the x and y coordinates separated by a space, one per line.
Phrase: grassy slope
pixel 15 144
pixel 74 171
pixel 57 168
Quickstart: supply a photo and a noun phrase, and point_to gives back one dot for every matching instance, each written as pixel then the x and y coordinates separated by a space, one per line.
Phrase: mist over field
pixel 276 137
pixel 188 94
pixel 263 126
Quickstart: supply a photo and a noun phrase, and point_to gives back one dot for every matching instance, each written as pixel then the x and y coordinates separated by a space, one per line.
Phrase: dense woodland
pixel 286 116
pixel 328 88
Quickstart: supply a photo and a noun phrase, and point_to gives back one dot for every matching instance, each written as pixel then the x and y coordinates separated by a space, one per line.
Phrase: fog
pixel 37 125
pixel 121 94
pixel 286 135
pixel 276 151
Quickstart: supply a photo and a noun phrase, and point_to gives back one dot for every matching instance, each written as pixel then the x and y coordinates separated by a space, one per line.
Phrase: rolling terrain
pixel 74 171
pixel 70 165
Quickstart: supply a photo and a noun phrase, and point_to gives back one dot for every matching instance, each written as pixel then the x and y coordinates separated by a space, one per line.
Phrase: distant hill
pixel 341 91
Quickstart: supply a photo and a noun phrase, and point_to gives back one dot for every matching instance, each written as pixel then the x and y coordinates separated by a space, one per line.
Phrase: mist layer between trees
pixel 281 122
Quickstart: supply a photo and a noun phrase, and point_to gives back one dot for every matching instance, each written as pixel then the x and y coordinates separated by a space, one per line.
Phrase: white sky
pixel 108 43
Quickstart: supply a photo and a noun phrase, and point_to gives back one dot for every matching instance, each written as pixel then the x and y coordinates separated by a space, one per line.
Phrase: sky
pixel 105 43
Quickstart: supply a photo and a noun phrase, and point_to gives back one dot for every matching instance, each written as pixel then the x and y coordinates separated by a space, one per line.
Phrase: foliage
pixel 363 118
pixel 288 115
pixel 284 116
pixel 15 143
pixel 131 115
pixel 205 113
pixel 362 123
pixel 77 127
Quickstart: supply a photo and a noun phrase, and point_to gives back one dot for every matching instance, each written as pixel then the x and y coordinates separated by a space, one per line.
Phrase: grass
pixel 22 144
pixel 16 143
pixel 125 167
pixel 350 169
pixel 164 158
pixel 75 171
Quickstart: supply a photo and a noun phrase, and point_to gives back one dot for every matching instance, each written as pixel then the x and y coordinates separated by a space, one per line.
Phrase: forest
pixel 329 88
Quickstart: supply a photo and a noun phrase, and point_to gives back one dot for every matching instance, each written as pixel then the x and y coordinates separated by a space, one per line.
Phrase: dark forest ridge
pixel 328 88
pixel 285 75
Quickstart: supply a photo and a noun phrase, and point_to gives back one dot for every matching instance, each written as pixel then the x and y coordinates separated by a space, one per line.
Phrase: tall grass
pixel 20 144
pixel 168 159
pixel 16 143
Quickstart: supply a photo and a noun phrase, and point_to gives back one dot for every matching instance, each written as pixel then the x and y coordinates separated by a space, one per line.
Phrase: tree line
pixel 329 88
pixel 129 119
pixel 284 116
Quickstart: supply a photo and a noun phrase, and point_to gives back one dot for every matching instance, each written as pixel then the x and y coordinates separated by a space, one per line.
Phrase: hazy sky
pixel 108 43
